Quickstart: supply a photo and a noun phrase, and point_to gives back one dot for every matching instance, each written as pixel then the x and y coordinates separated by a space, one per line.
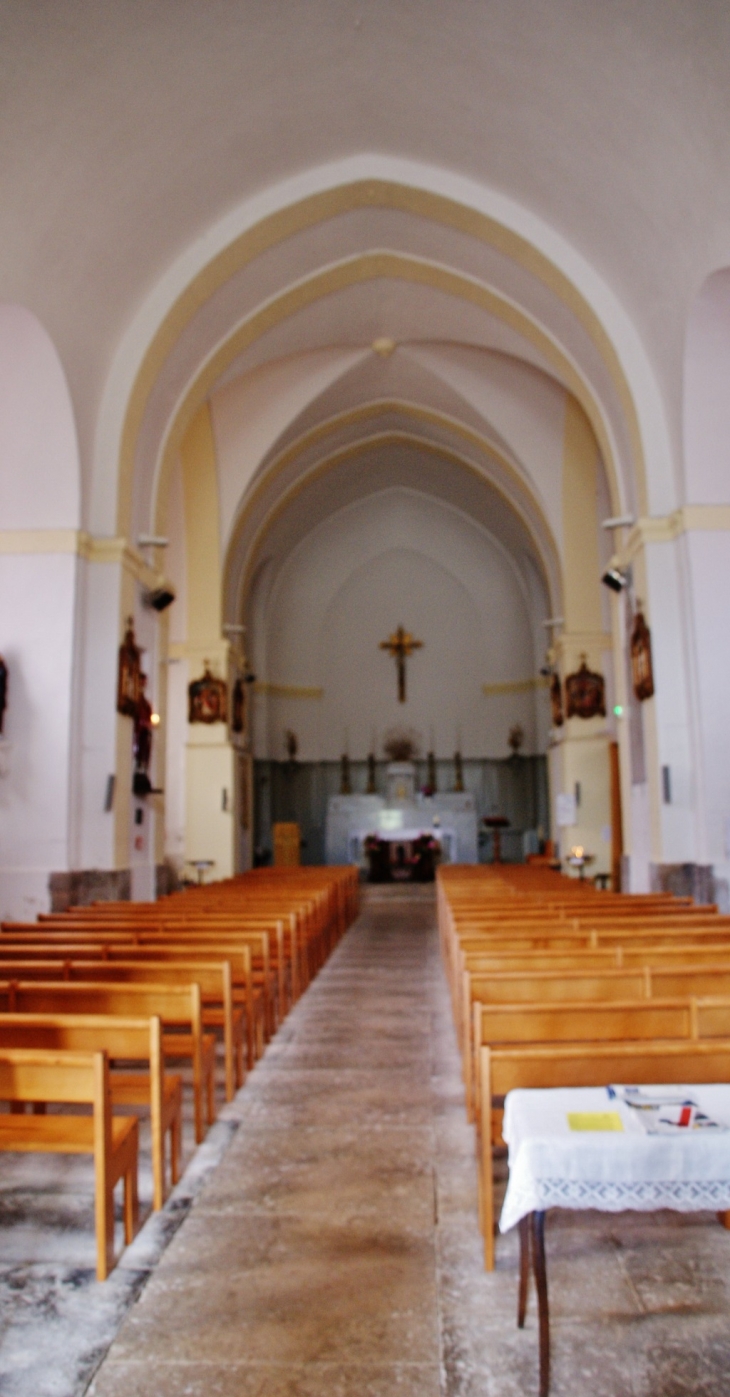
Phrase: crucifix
pixel 401 645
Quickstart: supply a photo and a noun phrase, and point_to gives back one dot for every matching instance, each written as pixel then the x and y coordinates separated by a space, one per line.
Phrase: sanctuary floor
pixel 333 1251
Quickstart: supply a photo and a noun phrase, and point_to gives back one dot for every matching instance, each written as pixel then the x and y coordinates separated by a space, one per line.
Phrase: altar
pixel 401 817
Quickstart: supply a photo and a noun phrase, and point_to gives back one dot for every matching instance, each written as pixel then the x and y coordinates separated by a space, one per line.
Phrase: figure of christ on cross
pixel 401 645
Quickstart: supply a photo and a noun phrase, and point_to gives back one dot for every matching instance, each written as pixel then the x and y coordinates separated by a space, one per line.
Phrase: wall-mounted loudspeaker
pixel 160 599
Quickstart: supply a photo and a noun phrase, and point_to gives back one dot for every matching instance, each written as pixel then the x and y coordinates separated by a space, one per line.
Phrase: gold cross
pixel 401 645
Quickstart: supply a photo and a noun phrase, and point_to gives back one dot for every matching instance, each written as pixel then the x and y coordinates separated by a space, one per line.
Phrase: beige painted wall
pixel 209 771
pixel 579 761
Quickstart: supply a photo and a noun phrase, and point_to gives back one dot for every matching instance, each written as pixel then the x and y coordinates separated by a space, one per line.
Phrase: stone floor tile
pixel 208 1246
pixel 678 1275
pixel 327 1173
pixel 265 1380
pixel 456 1188
pixel 345 1300
pixel 370 1056
pixel 365 1105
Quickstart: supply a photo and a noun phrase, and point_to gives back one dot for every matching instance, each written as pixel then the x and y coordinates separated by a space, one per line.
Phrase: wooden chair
pixel 35 1074
pixel 128 1040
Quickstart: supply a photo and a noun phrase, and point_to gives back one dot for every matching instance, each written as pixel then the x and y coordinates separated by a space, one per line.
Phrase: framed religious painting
pixel 585 695
pixel 642 670
pixel 129 682
pixel 207 699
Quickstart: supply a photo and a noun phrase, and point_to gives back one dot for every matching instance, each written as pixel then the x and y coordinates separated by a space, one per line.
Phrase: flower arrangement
pixel 401 745
pixel 426 844
pixel 425 854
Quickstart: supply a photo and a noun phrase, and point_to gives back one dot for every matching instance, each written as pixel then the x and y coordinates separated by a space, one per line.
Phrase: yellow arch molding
pixel 332 203
pixel 551 562
pixel 353 271
pixel 376 408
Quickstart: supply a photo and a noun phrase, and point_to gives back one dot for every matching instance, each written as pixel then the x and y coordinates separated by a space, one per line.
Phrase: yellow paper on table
pixel 595 1120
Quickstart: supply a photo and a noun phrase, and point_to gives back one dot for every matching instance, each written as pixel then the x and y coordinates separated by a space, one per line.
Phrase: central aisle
pixel 310 1263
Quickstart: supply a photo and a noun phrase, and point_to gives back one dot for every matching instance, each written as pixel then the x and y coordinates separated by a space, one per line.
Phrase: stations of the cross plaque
pixel 400 645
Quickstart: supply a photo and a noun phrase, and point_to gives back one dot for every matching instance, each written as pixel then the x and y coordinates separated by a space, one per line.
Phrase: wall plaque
pixel 585 693
pixel 207 699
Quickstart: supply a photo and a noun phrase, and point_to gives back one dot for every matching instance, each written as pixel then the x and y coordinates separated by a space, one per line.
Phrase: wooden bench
pixel 261 976
pixel 247 999
pixel 35 1074
pixel 213 977
pixel 591 985
pixel 499 1025
pixel 178 1007
pixel 127 1040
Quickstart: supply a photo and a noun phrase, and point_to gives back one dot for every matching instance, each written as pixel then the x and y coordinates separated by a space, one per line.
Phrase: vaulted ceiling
pixel 522 196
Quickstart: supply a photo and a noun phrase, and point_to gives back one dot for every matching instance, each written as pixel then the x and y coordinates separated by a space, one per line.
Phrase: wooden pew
pixel 35 1074
pixel 112 947
pixel 179 1008
pixel 542 987
pixel 213 977
pixel 199 939
pixel 479 966
pixel 499 1025
pixel 129 1040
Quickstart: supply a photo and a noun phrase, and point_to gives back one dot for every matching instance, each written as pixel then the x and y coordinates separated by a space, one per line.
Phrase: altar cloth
pixel 552 1166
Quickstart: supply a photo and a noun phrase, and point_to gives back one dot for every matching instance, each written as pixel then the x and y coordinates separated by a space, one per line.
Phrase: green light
pixel 618 710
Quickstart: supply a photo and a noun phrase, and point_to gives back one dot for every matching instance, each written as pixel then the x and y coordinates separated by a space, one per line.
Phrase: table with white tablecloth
pixel 552 1165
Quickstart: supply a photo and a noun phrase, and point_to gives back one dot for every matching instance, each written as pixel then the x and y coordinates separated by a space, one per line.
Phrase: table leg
pixel 524 1226
pixel 538 1262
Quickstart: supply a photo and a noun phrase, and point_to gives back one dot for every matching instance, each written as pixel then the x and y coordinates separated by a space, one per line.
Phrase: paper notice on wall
pixel 565 812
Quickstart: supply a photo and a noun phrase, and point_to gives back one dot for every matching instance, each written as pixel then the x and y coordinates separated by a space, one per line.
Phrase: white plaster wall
pixel 670 704
pixel 175 557
pixel 39 490
pixel 37 645
pixel 209 767
pixel 251 412
pixel 177 728
pixel 706 397
pixel 709 562
pixel 97 690
pixel 640 849
pixel 523 405
pixel 398 557
pixel 39 471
